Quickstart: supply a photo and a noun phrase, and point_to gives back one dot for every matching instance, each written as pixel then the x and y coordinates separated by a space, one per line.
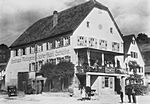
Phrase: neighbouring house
pixel 86 35
pixel 4 57
pixel 133 56
pixel 145 48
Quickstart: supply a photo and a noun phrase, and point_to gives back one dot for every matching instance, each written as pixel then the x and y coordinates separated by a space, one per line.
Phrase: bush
pixel 139 89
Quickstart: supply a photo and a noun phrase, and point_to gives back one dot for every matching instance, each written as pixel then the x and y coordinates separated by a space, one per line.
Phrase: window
pixel 134 54
pixel 32 50
pixel 16 52
pixel 58 43
pixel 102 44
pixel 52 61
pixel 81 41
pixel 115 46
pixel 39 48
pixel 30 67
pixel 23 51
pixel 88 24
pixel 67 58
pixel 106 81
pixel 66 41
pixel 92 42
pixel 50 45
pixel 40 64
pixel 33 67
pixel 111 30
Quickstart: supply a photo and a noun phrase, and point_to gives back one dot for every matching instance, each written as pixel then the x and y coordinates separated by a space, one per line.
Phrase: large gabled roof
pixel 68 21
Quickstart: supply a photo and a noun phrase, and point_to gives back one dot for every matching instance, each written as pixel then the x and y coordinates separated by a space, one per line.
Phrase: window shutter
pixel 111 82
pixel 103 82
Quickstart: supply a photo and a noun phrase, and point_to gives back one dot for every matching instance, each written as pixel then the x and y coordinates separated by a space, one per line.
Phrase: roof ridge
pixel 68 20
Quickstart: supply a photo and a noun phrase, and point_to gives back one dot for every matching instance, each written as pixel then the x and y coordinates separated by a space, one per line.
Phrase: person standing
pixel 96 66
pixel 133 95
pixel 122 89
pixel 129 93
pixel 121 95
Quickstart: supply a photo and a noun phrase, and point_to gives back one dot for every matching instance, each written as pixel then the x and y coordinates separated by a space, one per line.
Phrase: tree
pixel 142 38
pixel 57 73
pixel 48 70
pixel 135 81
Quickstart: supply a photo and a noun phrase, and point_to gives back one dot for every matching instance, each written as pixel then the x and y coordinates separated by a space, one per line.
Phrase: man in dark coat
pixel 131 92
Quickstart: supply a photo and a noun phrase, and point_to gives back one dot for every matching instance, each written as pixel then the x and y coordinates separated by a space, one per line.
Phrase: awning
pixel 40 78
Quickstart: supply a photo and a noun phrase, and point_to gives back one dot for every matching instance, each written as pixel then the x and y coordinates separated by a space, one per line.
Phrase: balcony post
pixel 88 77
pixel 88 57
pixel 102 59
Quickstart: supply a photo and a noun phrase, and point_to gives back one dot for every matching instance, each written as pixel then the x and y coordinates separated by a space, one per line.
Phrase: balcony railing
pixel 112 70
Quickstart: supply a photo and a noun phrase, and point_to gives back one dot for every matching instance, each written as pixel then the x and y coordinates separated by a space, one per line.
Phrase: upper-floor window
pixel 115 46
pixel 23 51
pixel 92 42
pixel 102 44
pixel 59 43
pixel 49 45
pixel 32 49
pixel 134 54
pixel 16 53
pixel 66 41
pixel 81 41
pixel 39 48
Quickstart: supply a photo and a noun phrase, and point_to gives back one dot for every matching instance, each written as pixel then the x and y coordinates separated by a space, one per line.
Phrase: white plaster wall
pixel 20 65
pixel 99 17
pixel 97 85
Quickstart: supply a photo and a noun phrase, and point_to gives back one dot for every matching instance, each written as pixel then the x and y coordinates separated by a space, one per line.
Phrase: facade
pixel 4 57
pixel 133 55
pixel 85 34
pixel 146 55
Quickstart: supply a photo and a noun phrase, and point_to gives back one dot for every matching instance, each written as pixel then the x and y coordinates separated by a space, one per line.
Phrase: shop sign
pixel 109 70
pixel 40 56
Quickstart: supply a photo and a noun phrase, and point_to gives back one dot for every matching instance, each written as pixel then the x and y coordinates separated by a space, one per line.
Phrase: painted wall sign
pixel 41 56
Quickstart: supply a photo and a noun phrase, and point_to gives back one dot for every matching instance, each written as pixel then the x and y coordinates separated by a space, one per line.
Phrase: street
pixel 61 98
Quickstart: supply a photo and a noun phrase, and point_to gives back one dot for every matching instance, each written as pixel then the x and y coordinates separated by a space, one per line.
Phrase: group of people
pixel 130 93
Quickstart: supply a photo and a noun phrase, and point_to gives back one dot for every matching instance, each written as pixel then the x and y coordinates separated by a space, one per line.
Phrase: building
pixel 133 55
pixel 82 34
pixel 4 57
pixel 145 48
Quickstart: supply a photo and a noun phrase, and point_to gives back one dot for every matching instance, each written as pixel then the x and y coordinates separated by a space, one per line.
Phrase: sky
pixel 132 16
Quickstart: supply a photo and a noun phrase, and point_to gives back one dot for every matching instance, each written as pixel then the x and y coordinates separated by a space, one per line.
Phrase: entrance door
pixel 107 85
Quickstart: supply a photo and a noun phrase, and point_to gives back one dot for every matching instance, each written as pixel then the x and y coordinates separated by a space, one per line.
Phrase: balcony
pixel 103 69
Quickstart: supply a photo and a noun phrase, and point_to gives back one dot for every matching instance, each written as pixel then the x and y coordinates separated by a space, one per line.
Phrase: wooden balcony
pixel 111 70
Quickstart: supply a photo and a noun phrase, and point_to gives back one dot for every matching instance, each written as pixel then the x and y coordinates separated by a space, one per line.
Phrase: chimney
pixel 55 18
